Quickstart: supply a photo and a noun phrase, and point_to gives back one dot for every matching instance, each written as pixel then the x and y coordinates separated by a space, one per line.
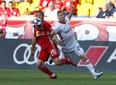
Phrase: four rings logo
pixel 25 52
pixel 22 55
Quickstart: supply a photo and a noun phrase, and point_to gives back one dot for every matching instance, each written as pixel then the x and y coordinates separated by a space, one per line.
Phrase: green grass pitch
pixel 36 77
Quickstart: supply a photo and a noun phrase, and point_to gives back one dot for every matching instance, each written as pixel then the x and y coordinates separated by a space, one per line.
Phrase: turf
pixel 34 77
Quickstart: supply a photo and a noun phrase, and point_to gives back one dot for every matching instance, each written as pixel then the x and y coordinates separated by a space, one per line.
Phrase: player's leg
pixel 62 61
pixel 80 52
pixel 69 56
pixel 55 56
pixel 43 56
pixel 87 63
pixel 90 67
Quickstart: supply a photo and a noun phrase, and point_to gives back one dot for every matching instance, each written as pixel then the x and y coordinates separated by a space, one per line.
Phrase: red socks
pixel 64 61
pixel 46 70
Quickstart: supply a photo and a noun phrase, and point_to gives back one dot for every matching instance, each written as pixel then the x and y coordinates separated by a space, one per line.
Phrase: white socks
pixel 90 67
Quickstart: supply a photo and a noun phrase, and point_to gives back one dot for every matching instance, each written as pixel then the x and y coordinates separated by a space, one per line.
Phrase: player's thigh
pixel 44 55
pixel 66 53
pixel 78 51
pixel 53 52
pixel 57 61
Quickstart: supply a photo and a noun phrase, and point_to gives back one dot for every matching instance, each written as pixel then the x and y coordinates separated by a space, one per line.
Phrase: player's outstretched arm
pixel 71 12
pixel 33 46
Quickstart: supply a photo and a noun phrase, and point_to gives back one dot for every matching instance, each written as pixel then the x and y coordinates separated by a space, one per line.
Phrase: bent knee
pixel 57 63
pixel 83 57
pixel 40 64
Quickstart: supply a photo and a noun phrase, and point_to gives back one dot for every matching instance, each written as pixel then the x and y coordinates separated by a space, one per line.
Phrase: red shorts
pixel 51 51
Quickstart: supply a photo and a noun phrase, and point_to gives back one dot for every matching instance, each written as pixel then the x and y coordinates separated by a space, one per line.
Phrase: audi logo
pixel 26 54
pixel 22 54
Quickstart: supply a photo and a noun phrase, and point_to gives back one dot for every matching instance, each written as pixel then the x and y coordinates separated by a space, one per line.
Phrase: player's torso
pixel 42 33
pixel 42 37
pixel 4 12
pixel 67 36
pixel 14 12
pixel 65 31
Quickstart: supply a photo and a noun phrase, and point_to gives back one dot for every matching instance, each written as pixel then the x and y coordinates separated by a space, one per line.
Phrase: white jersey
pixel 66 35
pixel 70 43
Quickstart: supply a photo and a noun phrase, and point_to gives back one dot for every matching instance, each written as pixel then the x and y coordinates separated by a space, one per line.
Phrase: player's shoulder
pixel 45 23
pixel 57 24
pixel 16 9
pixel 67 19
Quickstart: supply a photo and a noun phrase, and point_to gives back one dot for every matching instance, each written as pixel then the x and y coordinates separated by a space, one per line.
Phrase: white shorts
pixel 77 50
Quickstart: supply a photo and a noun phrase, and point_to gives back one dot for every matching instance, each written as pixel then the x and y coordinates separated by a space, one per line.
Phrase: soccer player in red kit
pixel 13 11
pixel 67 6
pixel 4 11
pixel 48 47
pixel 59 4
pixel 43 4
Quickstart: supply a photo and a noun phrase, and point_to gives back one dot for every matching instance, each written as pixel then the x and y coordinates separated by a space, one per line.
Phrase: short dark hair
pixel 10 2
pixel 60 11
pixel 3 2
pixel 41 12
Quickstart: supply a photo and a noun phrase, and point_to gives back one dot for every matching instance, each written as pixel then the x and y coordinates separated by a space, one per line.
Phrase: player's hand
pixel 59 42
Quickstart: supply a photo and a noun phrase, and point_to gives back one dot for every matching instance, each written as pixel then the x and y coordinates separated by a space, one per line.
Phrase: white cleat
pixel 97 75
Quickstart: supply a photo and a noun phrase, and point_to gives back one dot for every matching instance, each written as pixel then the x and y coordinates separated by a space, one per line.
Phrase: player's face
pixel 10 5
pixel 39 15
pixel 61 17
pixel 3 5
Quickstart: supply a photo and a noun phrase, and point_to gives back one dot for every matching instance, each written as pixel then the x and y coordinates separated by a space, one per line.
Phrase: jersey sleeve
pixel 67 19
pixel 17 11
pixel 56 27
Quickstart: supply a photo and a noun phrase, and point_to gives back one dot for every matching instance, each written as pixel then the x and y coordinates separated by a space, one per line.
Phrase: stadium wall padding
pixel 15 54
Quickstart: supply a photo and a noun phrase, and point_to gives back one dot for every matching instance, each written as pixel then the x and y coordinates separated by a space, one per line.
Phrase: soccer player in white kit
pixel 68 41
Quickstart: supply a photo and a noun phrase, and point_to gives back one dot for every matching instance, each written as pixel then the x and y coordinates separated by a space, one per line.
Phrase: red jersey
pixel 42 37
pixel 0 1
pixel 14 12
pixel 44 3
pixel 67 4
pixel 5 12
pixel 58 5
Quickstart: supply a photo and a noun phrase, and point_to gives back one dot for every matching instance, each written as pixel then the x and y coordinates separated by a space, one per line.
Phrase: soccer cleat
pixel 72 62
pixel 53 76
pixel 97 75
